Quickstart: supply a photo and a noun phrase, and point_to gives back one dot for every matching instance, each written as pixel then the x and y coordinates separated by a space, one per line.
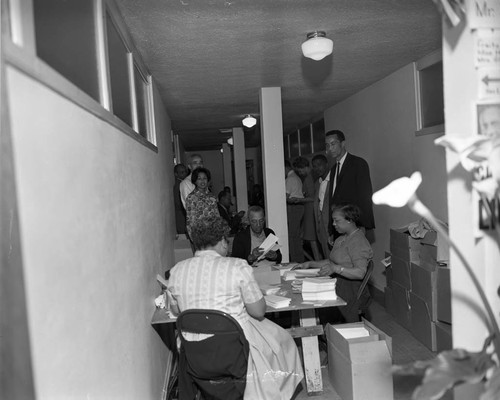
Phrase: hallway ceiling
pixel 209 58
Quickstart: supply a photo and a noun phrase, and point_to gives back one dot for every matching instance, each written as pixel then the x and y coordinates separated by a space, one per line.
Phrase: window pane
pixel 431 95
pixel 118 71
pixel 305 140
pixel 142 102
pixel 65 39
pixel 319 135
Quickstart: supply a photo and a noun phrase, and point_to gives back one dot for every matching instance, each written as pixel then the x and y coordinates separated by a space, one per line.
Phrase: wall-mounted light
pixel 230 141
pixel 249 121
pixel 317 46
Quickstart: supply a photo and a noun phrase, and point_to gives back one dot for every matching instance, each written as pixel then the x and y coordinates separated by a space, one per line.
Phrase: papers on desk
pixel 300 273
pixel 271 243
pixel 269 289
pixel 319 289
pixel 284 268
pixel 276 301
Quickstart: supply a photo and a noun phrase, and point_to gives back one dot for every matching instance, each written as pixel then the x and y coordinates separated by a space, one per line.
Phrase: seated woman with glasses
pixel 348 261
pixel 247 242
pixel 210 280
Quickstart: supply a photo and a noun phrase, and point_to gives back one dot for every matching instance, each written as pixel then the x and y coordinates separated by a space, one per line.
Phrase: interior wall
pixel 379 123
pixel 95 230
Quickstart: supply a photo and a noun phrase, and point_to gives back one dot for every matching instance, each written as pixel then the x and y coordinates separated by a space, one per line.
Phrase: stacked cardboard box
pixel 420 291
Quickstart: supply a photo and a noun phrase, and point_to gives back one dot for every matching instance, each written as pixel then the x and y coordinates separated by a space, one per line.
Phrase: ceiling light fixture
pixel 249 121
pixel 230 141
pixel 317 46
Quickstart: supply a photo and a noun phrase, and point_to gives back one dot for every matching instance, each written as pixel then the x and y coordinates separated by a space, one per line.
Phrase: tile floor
pixel 405 348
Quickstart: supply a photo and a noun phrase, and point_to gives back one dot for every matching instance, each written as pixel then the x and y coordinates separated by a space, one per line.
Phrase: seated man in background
pixel 224 205
pixel 247 242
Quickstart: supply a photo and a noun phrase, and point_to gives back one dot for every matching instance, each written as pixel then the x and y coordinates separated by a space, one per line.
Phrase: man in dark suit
pixel 350 179
pixel 246 243
pixel 224 204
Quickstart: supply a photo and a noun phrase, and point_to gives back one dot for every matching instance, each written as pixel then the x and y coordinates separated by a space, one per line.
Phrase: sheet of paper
pixel 268 244
pixel 355 332
pixel 161 281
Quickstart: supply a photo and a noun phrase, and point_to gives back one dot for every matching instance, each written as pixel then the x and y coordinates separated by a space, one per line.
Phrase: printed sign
pixel 487 48
pixel 484 14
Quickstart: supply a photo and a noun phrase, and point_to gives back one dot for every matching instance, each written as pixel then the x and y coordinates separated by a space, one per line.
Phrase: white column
pixel 226 162
pixel 240 169
pixel 271 127
pixel 462 82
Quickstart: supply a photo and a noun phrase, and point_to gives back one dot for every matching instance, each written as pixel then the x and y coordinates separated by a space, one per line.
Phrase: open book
pixel 271 243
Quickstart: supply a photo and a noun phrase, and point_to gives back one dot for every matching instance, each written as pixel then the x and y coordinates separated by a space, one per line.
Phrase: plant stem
pixel 418 207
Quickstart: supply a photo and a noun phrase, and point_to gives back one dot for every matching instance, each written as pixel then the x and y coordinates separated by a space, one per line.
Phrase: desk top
pixel 162 316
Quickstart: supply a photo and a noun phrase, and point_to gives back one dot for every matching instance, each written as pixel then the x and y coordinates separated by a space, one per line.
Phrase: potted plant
pixel 453 367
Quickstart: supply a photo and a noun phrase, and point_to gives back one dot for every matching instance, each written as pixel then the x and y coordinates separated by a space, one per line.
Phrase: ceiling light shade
pixel 249 121
pixel 230 141
pixel 317 46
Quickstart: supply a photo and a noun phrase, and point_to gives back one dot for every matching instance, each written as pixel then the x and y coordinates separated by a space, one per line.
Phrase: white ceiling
pixel 210 57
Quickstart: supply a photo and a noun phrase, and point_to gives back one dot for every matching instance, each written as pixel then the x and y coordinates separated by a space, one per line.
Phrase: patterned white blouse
pixel 210 281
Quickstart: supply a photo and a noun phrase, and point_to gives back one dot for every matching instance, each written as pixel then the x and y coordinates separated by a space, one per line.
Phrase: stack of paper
pixel 276 301
pixel 319 289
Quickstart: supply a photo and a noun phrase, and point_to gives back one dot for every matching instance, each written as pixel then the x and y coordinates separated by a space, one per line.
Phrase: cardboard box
pixel 422 326
pixel 429 255
pixel 443 306
pixel 389 301
pixel 436 239
pixel 424 285
pixel 401 300
pixel 402 245
pixel 401 272
pixel 360 368
pixel 389 276
pixel 444 339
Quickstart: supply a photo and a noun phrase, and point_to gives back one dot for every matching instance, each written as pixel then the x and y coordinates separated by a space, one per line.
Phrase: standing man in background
pixel 294 213
pixel 321 203
pixel 186 186
pixel 350 180
pixel 180 172
pixel 303 170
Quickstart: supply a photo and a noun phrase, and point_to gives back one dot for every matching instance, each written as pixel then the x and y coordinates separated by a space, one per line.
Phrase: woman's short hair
pixel 198 171
pixel 350 212
pixel 207 232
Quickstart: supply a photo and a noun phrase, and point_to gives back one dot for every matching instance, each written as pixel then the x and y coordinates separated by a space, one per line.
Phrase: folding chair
pixel 364 308
pixel 215 366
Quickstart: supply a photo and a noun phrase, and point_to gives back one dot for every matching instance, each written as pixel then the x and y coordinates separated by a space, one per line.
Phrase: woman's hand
pixel 304 265
pixel 327 270
pixel 271 255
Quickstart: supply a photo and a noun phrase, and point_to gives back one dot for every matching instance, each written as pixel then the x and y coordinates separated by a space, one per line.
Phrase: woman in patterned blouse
pixel 200 203
pixel 210 280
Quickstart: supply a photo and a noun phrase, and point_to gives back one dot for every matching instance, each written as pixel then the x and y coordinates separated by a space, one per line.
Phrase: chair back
pixel 217 365
pixel 369 271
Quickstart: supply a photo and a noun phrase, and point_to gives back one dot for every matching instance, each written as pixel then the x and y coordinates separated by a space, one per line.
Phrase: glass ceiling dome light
pixel 317 46
pixel 249 121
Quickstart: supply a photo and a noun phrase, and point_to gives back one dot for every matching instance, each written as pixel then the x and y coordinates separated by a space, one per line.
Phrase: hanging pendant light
pixel 249 121
pixel 317 46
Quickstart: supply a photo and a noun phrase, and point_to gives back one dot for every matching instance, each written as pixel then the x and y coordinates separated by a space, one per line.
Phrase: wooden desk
pixel 307 332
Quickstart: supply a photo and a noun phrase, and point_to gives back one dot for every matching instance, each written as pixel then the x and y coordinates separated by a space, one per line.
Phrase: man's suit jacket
pixel 242 244
pixel 322 217
pixel 354 186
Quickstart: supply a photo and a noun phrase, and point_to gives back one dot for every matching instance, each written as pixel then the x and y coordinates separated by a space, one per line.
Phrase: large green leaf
pixel 450 368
